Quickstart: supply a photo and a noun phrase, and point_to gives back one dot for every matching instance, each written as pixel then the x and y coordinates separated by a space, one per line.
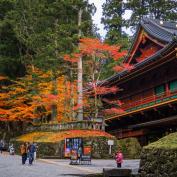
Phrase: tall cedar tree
pixel 114 22
pixel 113 11
pixel 37 32
pixel 157 9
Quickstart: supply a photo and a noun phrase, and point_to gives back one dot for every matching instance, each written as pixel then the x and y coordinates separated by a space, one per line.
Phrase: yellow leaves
pixel 34 95
pixel 3 78
pixel 3 96
pixel 59 136
pixel 19 90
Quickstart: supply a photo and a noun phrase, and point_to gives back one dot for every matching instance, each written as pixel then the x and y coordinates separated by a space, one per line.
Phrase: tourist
pixel 119 158
pixel 23 150
pixel 79 153
pixel 11 149
pixel 27 147
pixel 35 152
pixel 1 145
pixel 31 149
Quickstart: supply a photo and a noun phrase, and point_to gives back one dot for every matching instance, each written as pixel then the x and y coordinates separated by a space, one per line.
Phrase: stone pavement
pixel 10 166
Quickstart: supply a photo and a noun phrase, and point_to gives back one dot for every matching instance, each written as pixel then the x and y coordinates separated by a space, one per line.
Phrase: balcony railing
pixel 150 101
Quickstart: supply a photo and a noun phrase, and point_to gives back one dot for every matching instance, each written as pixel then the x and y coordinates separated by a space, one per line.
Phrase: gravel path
pixel 10 166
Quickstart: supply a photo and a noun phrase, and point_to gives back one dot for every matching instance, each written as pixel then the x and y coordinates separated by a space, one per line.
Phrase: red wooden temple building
pixel 149 90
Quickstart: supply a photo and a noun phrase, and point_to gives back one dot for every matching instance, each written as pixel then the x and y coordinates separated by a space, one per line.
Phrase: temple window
pixel 173 85
pixel 159 90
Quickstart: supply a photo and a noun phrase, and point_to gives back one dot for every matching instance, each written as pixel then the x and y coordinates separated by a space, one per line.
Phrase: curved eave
pixel 121 75
pixel 157 31
pixel 133 43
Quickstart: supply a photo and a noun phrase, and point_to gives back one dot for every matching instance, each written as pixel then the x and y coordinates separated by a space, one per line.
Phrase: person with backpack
pixel 119 158
pixel 23 150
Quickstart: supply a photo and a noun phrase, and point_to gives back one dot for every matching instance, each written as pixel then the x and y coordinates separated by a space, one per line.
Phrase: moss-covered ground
pixel 167 142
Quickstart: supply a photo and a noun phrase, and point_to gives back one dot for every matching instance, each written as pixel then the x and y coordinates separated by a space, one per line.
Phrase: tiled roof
pixel 166 32
pixel 163 31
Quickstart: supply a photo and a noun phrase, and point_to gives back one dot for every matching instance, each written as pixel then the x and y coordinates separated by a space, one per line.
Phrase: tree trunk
pixel 80 73
pixel 54 106
pixel 72 114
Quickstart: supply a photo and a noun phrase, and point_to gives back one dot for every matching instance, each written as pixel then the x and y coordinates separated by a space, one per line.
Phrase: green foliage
pixel 113 11
pixel 114 22
pixel 10 47
pixel 167 142
pixel 38 33
pixel 130 147
pixel 157 9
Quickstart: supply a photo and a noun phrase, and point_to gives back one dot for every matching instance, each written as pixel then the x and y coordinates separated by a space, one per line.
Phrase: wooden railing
pixel 77 125
pixel 155 99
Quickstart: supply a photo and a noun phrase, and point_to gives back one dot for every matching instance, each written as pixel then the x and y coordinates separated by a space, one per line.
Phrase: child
pixel 119 158
pixel 11 150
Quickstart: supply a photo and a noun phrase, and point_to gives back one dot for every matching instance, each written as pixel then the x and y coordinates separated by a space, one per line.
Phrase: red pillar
pixel 167 89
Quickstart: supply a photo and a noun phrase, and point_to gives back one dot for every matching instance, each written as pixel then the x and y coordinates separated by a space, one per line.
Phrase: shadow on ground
pixel 79 175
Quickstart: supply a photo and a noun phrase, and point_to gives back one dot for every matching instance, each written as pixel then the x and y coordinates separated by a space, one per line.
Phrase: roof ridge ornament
pixel 161 22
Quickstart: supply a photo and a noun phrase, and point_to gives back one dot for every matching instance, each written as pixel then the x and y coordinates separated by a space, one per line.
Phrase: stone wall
pixel 73 125
pixel 100 148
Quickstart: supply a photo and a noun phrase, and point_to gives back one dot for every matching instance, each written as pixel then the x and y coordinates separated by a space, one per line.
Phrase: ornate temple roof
pixel 165 32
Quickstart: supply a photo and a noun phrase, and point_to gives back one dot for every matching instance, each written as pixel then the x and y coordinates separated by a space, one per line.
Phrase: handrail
pixel 149 99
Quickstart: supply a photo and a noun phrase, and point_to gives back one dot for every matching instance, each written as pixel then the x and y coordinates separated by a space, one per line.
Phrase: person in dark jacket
pixel 1 146
pixel 31 150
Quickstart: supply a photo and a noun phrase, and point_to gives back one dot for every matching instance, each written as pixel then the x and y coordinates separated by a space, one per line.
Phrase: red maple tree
pixel 97 51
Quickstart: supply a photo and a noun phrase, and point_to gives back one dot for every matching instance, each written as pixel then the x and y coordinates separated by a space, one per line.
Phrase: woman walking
pixel 23 150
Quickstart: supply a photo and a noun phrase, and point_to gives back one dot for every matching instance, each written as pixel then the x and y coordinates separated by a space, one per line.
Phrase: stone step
pixel 118 172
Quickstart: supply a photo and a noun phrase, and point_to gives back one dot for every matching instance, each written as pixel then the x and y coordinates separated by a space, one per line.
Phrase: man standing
pixel 1 145
pixel 31 149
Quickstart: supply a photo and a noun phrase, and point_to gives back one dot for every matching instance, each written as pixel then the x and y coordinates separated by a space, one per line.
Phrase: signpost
pixel 110 143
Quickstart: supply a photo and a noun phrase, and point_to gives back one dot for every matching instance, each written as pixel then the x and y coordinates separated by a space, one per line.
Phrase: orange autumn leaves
pixel 59 136
pixel 90 46
pixel 34 95
pixel 93 52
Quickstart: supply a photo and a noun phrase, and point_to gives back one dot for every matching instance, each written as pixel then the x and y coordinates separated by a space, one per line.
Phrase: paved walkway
pixel 10 166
